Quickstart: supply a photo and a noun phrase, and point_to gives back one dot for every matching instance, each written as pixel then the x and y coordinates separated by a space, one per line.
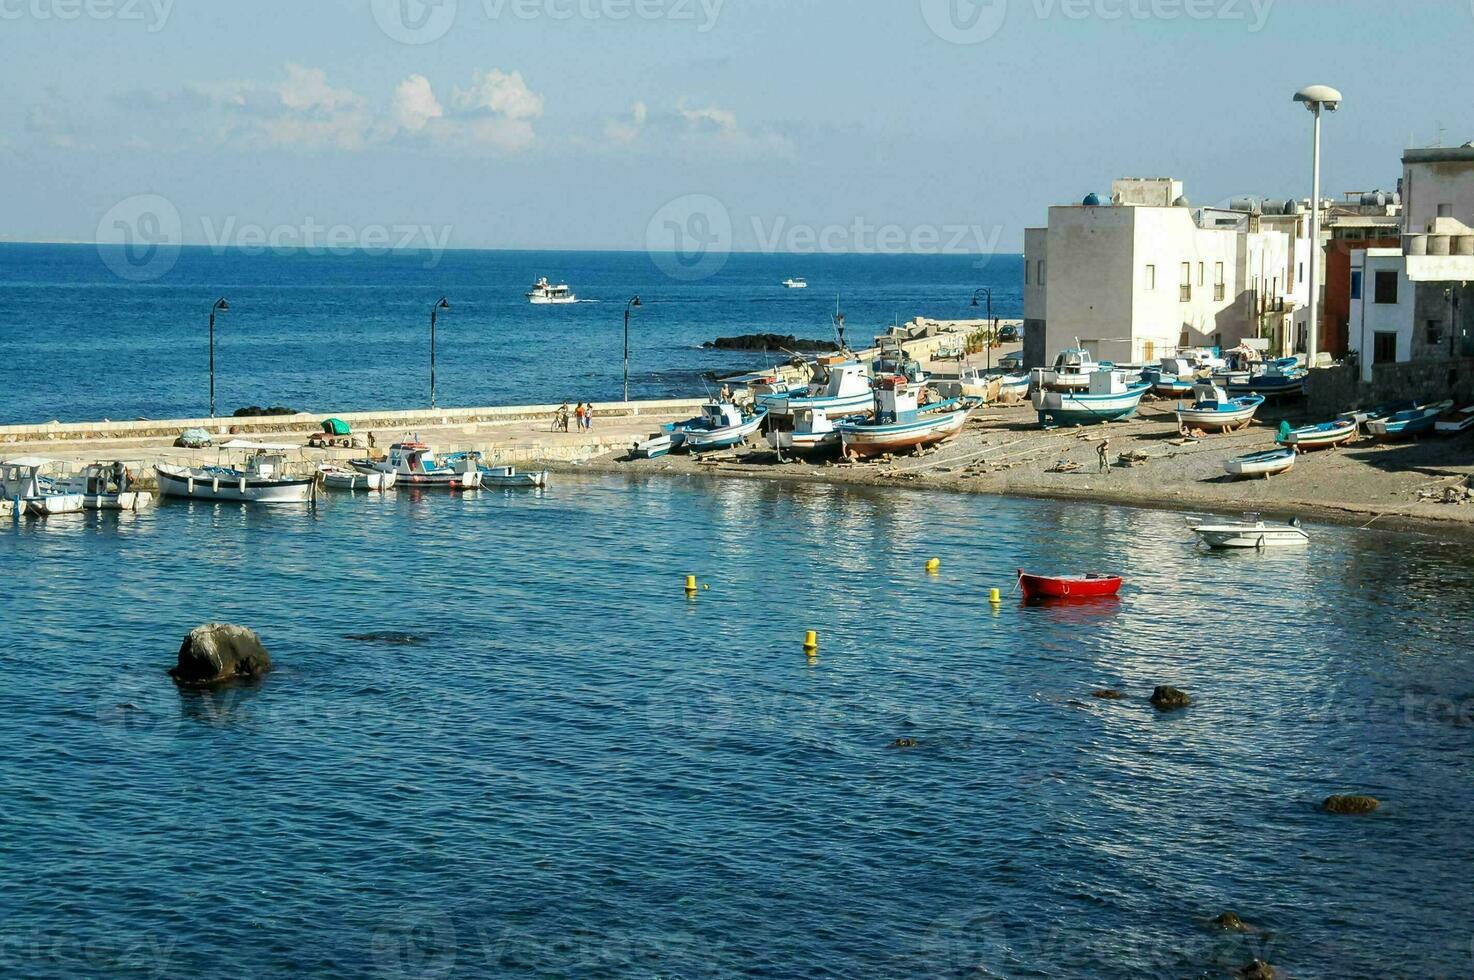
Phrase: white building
pixel 1146 274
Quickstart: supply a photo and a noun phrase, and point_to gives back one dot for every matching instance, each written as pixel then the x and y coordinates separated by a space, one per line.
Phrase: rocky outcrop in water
pixel 218 654
pixel 1351 805
pixel 772 342
pixel 1229 922
pixel 256 411
pixel 1258 970
pixel 1170 699
pixel 1108 695
pixel 905 743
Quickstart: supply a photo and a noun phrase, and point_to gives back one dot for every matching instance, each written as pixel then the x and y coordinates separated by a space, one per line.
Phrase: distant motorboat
pixel 342 478
pixel 1252 535
pixel 795 284
pixel 1108 399
pixel 416 464
pixel 1214 411
pixel 544 293
pixel 25 483
pixel 1322 436
pixel 263 479
pixel 1455 421
pixel 1266 464
pixel 106 486
pixel 1409 423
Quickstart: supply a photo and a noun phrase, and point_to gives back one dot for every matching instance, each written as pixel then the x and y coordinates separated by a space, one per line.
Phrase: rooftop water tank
pixel 1092 200
pixel 1249 204
pixel 1181 202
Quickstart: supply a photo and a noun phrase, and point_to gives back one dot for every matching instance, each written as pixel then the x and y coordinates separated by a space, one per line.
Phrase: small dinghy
pixel 508 477
pixel 1068 586
pixel 1256 535
pixel 1214 411
pixel 721 425
pixel 1408 424
pixel 1455 421
pixel 652 448
pixel 1324 436
pixel 416 464
pixel 1265 464
pixel 341 478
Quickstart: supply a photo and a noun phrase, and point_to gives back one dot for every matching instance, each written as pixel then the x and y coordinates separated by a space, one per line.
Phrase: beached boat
pixel 1455 421
pixel 1068 586
pixel 1014 387
pixel 1408 424
pixel 1266 464
pixel 1323 436
pixel 721 425
pixel 1214 411
pixel 343 478
pixel 262 479
pixel 1255 534
pixel 1284 378
pixel 652 448
pixel 845 389
pixel 1072 371
pixel 898 422
pixel 106 486
pixel 416 464
pixel 795 284
pixel 544 293
pixel 1109 399
pixel 813 434
pixel 510 478
pixel 26 483
pixel 1362 416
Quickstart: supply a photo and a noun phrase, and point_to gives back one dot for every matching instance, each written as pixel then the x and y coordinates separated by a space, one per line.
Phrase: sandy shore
pixel 1003 451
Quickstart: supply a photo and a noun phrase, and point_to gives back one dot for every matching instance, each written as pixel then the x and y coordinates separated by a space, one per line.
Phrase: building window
pixel 1027 267
pixel 1356 285
pixel 1219 287
pixel 1385 289
pixel 1151 277
pixel 1435 333
pixel 1202 281
pixel 1185 291
pixel 1040 276
pixel 1301 274
pixel 1384 350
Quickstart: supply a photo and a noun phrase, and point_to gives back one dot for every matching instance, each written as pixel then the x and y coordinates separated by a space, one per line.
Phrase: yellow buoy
pixel 996 597
pixel 691 585
pixel 934 566
pixel 811 643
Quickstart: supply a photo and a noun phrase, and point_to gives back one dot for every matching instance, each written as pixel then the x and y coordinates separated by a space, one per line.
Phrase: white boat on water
pixel 106 486
pixel 26 484
pixel 343 478
pixel 1252 535
pixel 510 478
pixel 262 479
pixel 795 284
pixel 416 464
pixel 843 390
pixel 544 293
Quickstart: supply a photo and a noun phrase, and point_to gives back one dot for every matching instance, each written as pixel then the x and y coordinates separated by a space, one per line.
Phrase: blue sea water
pixel 576 771
pixel 345 331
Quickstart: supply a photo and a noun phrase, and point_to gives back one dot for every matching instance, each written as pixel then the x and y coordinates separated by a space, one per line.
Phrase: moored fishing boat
pixel 845 389
pixel 1214 411
pixel 813 434
pixel 898 422
pixel 262 479
pixel 1057 587
pixel 1252 535
pixel 106 486
pixel 1455 421
pixel 1409 423
pixel 25 483
pixel 342 478
pixel 416 464
pixel 721 425
pixel 1323 436
pixel 1284 378
pixel 1266 464
pixel 1109 399
pixel 510 478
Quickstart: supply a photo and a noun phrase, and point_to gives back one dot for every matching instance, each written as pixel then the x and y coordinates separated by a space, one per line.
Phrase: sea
pixel 86 336
pixel 501 741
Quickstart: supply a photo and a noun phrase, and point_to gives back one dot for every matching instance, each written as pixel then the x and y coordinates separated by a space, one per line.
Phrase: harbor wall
pixel 1336 389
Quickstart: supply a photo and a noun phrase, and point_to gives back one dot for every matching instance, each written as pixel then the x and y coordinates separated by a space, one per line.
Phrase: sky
pixel 776 125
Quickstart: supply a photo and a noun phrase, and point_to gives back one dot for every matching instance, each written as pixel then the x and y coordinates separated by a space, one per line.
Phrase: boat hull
pixel 805 443
pixel 512 480
pixel 1391 431
pixel 129 500
pixel 1319 437
pixel 1455 423
pixel 1065 587
pixel 1057 408
pixel 1262 465
pixel 352 482
pixel 187 484
pixel 865 440
pixel 1215 420
pixel 52 504
pixel 444 481
pixel 1251 538
pixel 834 406
pixel 712 440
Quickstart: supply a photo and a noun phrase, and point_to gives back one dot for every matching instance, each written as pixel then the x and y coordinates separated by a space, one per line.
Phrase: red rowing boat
pixel 1068 586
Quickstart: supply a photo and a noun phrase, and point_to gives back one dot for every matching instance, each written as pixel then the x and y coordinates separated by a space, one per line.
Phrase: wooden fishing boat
pixel 415 464
pixel 844 391
pixel 652 448
pixel 25 483
pixel 106 486
pixel 1283 378
pixel 1252 535
pixel 898 423
pixel 1214 411
pixel 1408 424
pixel 812 435
pixel 1455 421
pixel 342 478
pixel 721 425
pixel 1109 399
pixel 1323 436
pixel 262 479
pixel 510 478
pixel 1265 464
pixel 1068 586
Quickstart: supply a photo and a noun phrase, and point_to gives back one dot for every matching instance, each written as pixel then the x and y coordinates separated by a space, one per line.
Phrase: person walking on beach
pixel 1104 449
pixel 578 416
pixel 588 416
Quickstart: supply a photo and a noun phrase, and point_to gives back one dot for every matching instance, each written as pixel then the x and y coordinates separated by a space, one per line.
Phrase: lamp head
pixel 444 304
pixel 636 302
pixel 222 305
pixel 1315 97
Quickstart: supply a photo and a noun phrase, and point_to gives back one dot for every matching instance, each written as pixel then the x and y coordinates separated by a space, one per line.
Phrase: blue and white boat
pixel 1109 399
pixel 1322 436
pixel 1015 387
pixel 27 488
pixel 1072 371
pixel 1214 411
pixel 721 425
pixel 813 434
pixel 653 448
pixel 844 390
pixel 1266 464
pixel 1407 424
pixel 899 422
pixel 1284 378
pixel 1172 377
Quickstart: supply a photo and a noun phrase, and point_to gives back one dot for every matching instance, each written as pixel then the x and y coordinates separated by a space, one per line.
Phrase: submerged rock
pixel 1229 922
pixel 389 639
pixel 1170 699
pixel 1258 970
pixel 220 653
pixel 1108 695
pixel 905 743
pixel 1351 805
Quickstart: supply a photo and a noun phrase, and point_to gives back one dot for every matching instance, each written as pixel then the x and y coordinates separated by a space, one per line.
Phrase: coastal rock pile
pixel 1258 970
pixel 219 653
pixel 772 342
pixel 1351 805
pixel 1229 922
pixel 1170 699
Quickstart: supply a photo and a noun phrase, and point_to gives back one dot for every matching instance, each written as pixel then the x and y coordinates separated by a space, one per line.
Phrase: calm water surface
pixel 578 772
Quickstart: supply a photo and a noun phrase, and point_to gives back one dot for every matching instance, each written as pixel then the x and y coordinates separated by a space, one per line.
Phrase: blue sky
pixel 574 123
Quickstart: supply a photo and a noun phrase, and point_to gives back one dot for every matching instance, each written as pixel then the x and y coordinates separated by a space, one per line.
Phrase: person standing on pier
pixel 588 416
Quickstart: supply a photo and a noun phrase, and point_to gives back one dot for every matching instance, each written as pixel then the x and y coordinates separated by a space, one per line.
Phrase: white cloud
pixel 500 93
pixel 628 130
pixel 724 122
pixel 415 103
pixel 307 89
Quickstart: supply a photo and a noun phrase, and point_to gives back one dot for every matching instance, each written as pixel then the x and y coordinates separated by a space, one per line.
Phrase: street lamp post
pixel 992 324
pixel 633 304
pixel 444 304
pixel 1315 98
pixel 220 306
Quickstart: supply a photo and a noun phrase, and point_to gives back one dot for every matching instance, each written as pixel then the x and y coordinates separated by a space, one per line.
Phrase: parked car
pixel 1009 334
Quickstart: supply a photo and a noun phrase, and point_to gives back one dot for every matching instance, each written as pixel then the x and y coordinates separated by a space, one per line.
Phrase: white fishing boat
pixel 262 479
pixel 1109 399
pixel 26 483
pixel 1455 421
pixel 510 478
pixel 813 434
pixel 795 284
pixel 1071 371
pixel 416 464
pixel 844 389
pixel 1214 411
pixel 899 422
pixel 544 293
pixel 1252 535
pixel 7 509
pixel 653 448
pixel 721 425
pixel 1014 387
pixel 106 486
pixel 1270 463
pixel 343 478
pixel 1322 436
